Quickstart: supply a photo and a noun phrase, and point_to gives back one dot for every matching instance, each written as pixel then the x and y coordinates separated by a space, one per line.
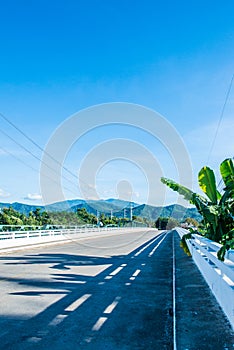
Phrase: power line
pixel 18 159
pixel 32 168
pixel 37 158
pixel 47 153
pixel 220 118
pixel 38 146
pixel 220 185
pixel 32 154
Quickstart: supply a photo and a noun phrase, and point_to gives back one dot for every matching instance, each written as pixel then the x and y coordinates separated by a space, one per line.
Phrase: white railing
pixel 24 238
pixel 219 275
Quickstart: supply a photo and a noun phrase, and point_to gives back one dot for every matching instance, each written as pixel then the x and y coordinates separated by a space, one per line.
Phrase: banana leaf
pixel 189 195
pixel 206 180
pixel 227 172
pixel 184 191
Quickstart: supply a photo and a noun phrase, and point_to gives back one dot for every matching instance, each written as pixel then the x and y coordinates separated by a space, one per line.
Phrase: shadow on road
pixel 125 306
pixel 118 303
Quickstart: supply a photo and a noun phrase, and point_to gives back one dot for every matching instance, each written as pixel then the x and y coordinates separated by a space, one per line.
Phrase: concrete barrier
pixel 219 275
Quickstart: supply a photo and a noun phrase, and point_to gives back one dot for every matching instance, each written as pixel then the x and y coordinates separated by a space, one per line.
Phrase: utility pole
pixel 111 214
pixel 124 213
pixel 97 216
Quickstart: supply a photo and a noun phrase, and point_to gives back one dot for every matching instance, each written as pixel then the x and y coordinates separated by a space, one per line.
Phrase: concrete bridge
pixel 116 290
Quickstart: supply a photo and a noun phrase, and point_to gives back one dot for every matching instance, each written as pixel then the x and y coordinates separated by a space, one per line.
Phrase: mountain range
pixel 116 207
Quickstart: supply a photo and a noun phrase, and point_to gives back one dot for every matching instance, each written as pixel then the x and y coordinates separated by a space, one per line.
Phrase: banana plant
pixel 217 210
pixel 227 172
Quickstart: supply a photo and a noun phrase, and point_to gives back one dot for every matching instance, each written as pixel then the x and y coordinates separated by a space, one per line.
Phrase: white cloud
pixel 4 194
pixel 33 196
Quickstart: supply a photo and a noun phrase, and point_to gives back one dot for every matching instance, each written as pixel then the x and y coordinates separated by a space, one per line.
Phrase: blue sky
pixel 59 57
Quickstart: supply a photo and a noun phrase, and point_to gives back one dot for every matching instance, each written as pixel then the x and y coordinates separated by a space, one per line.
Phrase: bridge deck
pixel 113 292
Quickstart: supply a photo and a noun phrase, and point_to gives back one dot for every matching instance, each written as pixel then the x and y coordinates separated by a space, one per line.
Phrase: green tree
pixel 9 216
pixel 172 223
pixel 161 223
pixel 165 223
pixel 192 222
pixel 85 217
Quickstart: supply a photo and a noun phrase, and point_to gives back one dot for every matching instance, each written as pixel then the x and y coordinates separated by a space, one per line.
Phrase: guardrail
pixel 14 239
pixel 219 275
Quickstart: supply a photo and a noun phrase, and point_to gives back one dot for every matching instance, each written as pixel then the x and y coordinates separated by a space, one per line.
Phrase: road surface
pixel 113 292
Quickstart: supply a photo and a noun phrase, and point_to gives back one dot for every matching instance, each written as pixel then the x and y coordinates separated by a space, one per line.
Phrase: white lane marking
pixel 79 282
pixel 42 333
pixel 108 277
pixel 156 247
pixel 101 283
pixel 116 271
pixel 132 278
pixel 128 284
pixel 145 247
pixel 70 281
pixel 58 319
pixel 78 302
pixel 112 306
pixel 136 273
pixel 99 323
pixel 34 340
pixel 124 265
pixel 88 339
pixel 143 264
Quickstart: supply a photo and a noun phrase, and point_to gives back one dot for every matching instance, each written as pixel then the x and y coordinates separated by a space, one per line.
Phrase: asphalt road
pixel 113 292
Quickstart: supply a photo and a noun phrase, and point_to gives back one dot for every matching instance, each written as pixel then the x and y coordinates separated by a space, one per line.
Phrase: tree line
pixel 10 216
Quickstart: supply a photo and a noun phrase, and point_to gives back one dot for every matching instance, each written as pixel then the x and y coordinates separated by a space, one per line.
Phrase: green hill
pixel 118 208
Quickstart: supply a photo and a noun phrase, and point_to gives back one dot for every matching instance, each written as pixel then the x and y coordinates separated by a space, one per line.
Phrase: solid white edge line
pixel 174 296
pixel 156 247
pixel 145 247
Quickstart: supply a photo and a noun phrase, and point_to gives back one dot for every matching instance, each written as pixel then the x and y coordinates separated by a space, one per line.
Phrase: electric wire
pixel 40 148
pixel 220 118
pixel 32 154
pixel 38 159
pixel 4 150
pixel 220 185
pixel 32 168
pixel 18 159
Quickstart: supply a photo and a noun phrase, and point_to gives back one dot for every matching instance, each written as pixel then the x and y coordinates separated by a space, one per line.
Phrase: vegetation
pixel 65 218
pixel 183 243
pixel 10 216
pixel 118 207
pixel 216 209
pixel 163 223
pixel 192 222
